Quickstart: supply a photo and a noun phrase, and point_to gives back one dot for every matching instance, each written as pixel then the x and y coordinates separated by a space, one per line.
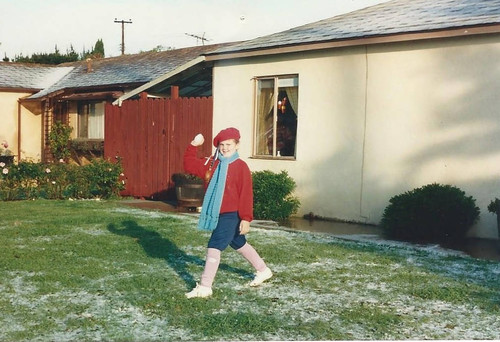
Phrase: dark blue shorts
pixel 227 233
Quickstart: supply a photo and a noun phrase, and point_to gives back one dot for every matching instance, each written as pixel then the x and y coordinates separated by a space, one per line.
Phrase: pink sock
pixel 211 267
pixel 253 257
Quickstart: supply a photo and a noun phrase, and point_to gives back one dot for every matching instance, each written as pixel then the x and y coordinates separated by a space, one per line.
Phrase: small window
pixel 276 116
pixel 91 120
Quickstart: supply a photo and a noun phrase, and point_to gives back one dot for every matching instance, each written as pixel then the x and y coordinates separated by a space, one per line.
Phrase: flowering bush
pixel 4 151
pixel 28 180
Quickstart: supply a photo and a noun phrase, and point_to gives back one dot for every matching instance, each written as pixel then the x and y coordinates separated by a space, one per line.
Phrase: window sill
pixel 274 158
pixel 82 144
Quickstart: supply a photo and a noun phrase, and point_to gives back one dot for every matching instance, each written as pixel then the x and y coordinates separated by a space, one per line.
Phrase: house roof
pixel 182 75
pixel 123 71
pixel 391 18
pixel 30 77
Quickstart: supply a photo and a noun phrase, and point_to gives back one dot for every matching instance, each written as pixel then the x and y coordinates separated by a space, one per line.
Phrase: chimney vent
pixel 89 64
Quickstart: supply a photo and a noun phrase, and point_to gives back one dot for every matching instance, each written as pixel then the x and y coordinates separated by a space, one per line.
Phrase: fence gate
pixel 150 137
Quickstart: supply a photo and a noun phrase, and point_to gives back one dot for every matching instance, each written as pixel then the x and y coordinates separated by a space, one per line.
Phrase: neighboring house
pixel 76 93
pixel 17 82
pixel 370 104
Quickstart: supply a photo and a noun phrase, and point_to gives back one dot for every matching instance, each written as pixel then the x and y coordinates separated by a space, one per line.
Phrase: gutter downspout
pixel 361 192
pixel 18 130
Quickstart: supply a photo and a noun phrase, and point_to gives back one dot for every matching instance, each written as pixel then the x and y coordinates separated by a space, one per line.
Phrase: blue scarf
pixel 212 201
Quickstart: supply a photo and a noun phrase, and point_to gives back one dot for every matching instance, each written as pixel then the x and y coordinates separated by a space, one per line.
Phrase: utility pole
pixel 123 22
pixel 202 38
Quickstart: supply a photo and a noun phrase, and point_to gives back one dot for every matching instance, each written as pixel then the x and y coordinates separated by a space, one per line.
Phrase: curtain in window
pixel 293 97
pixel 96 121
pixel 265 118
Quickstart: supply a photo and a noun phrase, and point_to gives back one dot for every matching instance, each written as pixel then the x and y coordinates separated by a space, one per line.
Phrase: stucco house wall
pixel 31 134
pixel 9 118
pixel 375 121
pixel 30 125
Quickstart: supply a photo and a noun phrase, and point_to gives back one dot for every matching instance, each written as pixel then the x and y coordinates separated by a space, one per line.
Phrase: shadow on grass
pixel 159 247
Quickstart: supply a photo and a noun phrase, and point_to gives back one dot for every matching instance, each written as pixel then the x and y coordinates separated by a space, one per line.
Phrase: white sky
pixel 37 26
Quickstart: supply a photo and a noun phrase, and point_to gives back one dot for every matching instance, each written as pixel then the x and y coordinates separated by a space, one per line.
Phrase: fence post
pixel 174 92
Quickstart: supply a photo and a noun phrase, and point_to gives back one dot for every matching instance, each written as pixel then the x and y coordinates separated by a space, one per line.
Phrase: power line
pixel 123 22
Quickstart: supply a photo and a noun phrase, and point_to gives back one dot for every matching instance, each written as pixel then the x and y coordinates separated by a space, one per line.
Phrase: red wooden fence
pixel 150 136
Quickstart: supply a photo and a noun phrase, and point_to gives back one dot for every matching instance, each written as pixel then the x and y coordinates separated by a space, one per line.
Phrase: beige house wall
pixel 31 124
pixel 377 121
pixel 9 118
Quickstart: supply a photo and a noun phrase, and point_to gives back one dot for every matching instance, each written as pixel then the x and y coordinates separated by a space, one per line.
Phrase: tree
pixel 99 49
pixel 97 52
pixel 56 57
pixel 49 58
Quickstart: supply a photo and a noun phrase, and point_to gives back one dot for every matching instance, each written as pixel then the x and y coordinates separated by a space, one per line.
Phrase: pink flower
pixel 2 164
pixel 5 171
pixel 47 170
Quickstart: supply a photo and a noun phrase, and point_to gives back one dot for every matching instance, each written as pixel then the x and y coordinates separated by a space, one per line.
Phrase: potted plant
pixel 6 155
pixel 189 190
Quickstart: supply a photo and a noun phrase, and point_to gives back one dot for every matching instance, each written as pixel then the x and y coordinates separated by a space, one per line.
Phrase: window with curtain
pixel 91 120
pixel 276 116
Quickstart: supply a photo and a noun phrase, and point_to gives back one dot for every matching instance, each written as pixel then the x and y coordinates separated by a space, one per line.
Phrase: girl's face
pixel 228 147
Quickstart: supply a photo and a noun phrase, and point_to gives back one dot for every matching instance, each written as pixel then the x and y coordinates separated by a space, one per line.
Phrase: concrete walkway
pixel 477 248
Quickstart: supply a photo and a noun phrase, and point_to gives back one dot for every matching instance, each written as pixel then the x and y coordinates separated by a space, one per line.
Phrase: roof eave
pixel 18 90
pixel 87 89
pixel 367 40
pixel 160 79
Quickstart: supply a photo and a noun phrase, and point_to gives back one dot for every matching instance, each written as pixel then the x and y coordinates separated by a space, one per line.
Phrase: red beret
pixel 225 134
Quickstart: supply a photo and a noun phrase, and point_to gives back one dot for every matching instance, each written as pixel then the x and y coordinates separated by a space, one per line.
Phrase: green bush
pixel 273 198
pixel 59 140
pixel 432 213
pixel 28 180
pixel 103 178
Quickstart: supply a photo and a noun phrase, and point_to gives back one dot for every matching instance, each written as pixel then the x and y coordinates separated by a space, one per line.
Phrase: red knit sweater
pixel 238 193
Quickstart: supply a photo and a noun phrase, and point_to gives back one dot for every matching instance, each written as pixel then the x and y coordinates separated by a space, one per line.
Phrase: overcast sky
pixel 37 26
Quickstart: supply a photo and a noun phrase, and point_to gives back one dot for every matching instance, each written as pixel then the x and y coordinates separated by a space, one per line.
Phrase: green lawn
pixel 100 270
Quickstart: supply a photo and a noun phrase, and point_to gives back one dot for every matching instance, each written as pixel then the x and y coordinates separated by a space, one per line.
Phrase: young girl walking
pixel 227 206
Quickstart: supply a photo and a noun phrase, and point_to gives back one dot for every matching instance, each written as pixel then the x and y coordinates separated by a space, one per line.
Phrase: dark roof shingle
pixel 31 77
pixel 126 70
pixel 389 18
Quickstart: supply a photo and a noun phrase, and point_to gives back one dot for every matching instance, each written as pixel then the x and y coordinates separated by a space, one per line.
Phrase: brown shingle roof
pixel 132 70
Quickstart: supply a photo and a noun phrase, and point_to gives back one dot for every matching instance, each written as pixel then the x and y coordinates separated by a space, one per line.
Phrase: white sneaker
pixel 200 291
pixel 261 277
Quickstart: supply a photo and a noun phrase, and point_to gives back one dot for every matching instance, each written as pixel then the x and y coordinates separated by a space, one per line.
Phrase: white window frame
pixel 95 120
pixel 279 84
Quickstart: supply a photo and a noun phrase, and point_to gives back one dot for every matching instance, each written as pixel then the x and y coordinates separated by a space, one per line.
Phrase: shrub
pixel 28 180
pixel 273 199
pixel 103 178
pixel 59 140
pixel 432 213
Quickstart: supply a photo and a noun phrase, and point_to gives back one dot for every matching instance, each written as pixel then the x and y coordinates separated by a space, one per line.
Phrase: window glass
pixel 264 123
pixel 276 116
pixel 91 120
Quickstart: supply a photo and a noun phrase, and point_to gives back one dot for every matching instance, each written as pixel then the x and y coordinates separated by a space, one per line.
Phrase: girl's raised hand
pixel 198 140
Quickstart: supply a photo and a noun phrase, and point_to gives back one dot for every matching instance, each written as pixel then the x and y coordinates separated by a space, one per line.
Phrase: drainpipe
pixel 18 130
pixel 361 192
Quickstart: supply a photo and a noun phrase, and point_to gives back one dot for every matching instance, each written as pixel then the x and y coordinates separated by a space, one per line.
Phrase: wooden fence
pixel 150 137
